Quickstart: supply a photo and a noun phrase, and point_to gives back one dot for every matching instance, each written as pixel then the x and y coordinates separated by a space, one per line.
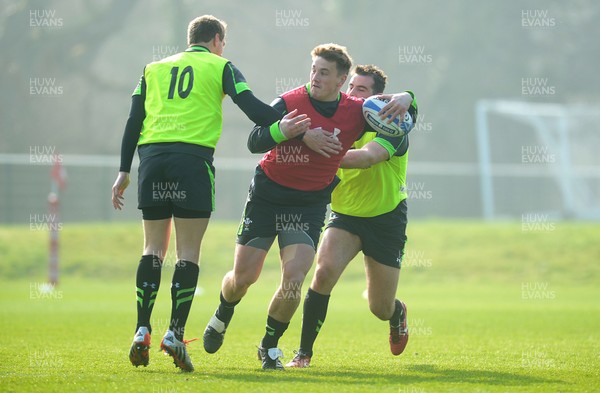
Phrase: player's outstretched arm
pixel 291 125
pixel 256 110
pixel 370 154
pixel 272 127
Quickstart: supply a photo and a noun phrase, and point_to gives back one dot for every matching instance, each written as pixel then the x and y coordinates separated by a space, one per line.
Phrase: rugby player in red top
pixel 289 194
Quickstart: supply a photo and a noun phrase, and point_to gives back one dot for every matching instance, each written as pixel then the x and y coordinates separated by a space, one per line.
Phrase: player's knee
pixel 293 276
pixel 242 281
pixel 321 275
pixel 325 277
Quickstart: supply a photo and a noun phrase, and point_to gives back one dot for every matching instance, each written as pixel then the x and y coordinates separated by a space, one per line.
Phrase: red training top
pixel 293 164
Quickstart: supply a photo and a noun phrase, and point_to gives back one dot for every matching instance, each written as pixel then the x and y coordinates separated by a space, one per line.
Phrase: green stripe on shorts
pixel 211 176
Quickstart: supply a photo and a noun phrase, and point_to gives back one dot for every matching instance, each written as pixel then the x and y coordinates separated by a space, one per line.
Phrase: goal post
pixel 561 132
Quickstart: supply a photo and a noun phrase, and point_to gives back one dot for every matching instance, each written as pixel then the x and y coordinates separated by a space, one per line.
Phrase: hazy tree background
pixel 469 49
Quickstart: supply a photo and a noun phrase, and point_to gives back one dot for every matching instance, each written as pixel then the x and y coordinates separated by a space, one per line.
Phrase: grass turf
pixel 492 308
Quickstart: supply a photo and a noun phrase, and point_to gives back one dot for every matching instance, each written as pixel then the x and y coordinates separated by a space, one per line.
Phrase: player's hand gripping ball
pixel 396 129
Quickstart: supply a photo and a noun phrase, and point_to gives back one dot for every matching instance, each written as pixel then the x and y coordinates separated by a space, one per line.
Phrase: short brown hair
pixel 334 53
pixel 204 28
pixel 379 77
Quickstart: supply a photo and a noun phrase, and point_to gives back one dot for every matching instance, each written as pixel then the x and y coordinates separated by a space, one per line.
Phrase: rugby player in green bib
pixel 175 123
pixel 368 215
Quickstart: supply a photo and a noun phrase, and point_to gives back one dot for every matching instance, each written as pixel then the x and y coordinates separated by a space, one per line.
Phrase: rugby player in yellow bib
pixel 368 215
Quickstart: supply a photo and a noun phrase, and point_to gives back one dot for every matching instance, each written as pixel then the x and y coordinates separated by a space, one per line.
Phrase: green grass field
pixel 492 308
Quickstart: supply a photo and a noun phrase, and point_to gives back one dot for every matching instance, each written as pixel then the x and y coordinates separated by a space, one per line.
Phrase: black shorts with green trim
pixel 176 182
pixel 263 221
pixel 383 237
pixel 273 210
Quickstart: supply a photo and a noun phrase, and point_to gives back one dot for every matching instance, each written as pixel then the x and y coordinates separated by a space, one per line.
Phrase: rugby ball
pixel 371 108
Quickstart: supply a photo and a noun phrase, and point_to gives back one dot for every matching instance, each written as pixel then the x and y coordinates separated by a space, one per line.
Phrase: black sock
pixel 315 310
pixel 147 281
pixel 225 310
pixel 183 287
pixel 274 330
pixel 395 319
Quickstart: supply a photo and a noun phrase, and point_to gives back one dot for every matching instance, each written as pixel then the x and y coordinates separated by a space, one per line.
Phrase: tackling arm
pixel 264 138
pixel 370 154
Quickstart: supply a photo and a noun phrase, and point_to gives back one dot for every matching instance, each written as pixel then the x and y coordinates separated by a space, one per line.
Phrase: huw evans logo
pixel 44 18
pixel 536 222
pixel 165 191
pixel 537 291
pixel 290 19
pixel 537 155
pixel 160 52
pixel 413 54
pixel 44 222
pixel 532 19
pixel 284 84
pixel 417 190
pixel 537 87
pixel 45 87
pixel 290 222
pixel 286 154
pixel 44 155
